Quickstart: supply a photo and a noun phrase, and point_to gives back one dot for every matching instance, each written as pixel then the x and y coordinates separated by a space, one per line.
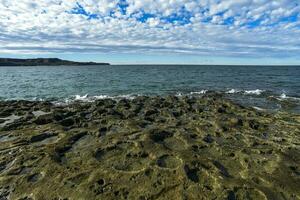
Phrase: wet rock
pixel 67 122
pixel 102 131
pixel 33 178
pixel 231 195
pixel 58 115
pixel 4 193
pixel 168 162
pixel 44 119
pixel 221 110
pixel 77 136
pixel 191 173
pixel 265 136
pixel 254 124
pixel 157 148
pixel 6 112
pixel 222 169
pixel 40 137
pixel 150 112
pixel 159 136
pixel 101 182
pixel 208 139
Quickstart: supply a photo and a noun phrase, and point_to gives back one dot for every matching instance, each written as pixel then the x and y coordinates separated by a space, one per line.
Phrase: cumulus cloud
pixel 244 28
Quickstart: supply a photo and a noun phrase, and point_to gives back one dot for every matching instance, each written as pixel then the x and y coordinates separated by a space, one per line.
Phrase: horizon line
pixel 152 64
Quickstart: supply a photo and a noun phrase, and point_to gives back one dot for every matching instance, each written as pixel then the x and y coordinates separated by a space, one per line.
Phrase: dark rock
pixel 33 178
pixel 44 119
pixel 101 181
pixel 221 110
pixel 77 137
pixel 254 124
pixel 191 173
pixel 124 103
pixel 4 193
pixel 102 131
pixel 150 112
pixel 265 136
pixel 40 137
pixel 109 103
pixel 67 122
pixel 208 138
pixel 159 135
pixel 231 195
pixel 58 116
pixel 6 112
pixel 222 169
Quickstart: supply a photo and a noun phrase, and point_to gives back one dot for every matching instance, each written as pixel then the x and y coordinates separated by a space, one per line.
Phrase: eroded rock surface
pixel 148 148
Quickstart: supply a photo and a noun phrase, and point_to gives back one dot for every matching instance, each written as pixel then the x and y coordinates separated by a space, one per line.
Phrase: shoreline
pixel 42 62
pixel 148 148
pixel 264 100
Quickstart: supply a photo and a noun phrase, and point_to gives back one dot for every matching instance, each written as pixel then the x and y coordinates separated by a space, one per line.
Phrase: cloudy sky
pixel 153 31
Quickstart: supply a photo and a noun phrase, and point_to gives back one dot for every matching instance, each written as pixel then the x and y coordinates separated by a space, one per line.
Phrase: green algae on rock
pixel 148 148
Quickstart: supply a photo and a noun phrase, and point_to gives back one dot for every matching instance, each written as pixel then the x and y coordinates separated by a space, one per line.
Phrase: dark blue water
pixel 262 86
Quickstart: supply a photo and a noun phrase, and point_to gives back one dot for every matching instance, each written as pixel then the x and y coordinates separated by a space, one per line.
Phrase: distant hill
pixel 43 62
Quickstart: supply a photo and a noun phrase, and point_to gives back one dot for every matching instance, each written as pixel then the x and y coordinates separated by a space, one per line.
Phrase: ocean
pixel 262 87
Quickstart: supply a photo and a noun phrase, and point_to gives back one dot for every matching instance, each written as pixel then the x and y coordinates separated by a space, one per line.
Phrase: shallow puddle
pixel 50 140
pixel 39 113
pixel 7 138
pixel 9 120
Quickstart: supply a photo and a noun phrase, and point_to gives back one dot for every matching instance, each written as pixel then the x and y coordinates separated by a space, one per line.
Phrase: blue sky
pixel 153 31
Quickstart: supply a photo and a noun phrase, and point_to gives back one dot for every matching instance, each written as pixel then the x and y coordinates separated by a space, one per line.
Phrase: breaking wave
pixel 200 92
pixel 88 98
pixel 284 97
pixel 246 92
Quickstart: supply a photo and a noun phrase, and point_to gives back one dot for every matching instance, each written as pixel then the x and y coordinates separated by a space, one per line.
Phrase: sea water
pixel 263 87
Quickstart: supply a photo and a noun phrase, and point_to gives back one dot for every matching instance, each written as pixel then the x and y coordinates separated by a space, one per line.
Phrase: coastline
pixel 148 148
pixel 13 62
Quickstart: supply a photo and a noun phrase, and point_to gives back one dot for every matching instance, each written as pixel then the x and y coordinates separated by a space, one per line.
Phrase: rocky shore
pixel 147 148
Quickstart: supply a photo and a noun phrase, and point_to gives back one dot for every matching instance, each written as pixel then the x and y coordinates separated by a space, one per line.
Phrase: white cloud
pixel 205 27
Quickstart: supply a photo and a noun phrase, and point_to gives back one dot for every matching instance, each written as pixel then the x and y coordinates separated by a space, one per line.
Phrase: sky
pixel 153 31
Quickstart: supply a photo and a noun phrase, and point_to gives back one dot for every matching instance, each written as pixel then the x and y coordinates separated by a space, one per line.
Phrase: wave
pixel 232 91
pixel 256 92
pixel 284 96
pixel 88 98
pixel 200 92
pixel 258 108
pixel 235 93
pixel 247 92
pixel 81 98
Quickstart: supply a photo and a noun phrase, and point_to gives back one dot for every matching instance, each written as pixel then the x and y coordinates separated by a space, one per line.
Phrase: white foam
pixel 283 96
pixel 81 98
pixel 200 92
pixel 87 98
pixel 179 94
pixel 129 96
pixel 232 91
pixel 102 97
pixel 258 108
pixel 257 91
